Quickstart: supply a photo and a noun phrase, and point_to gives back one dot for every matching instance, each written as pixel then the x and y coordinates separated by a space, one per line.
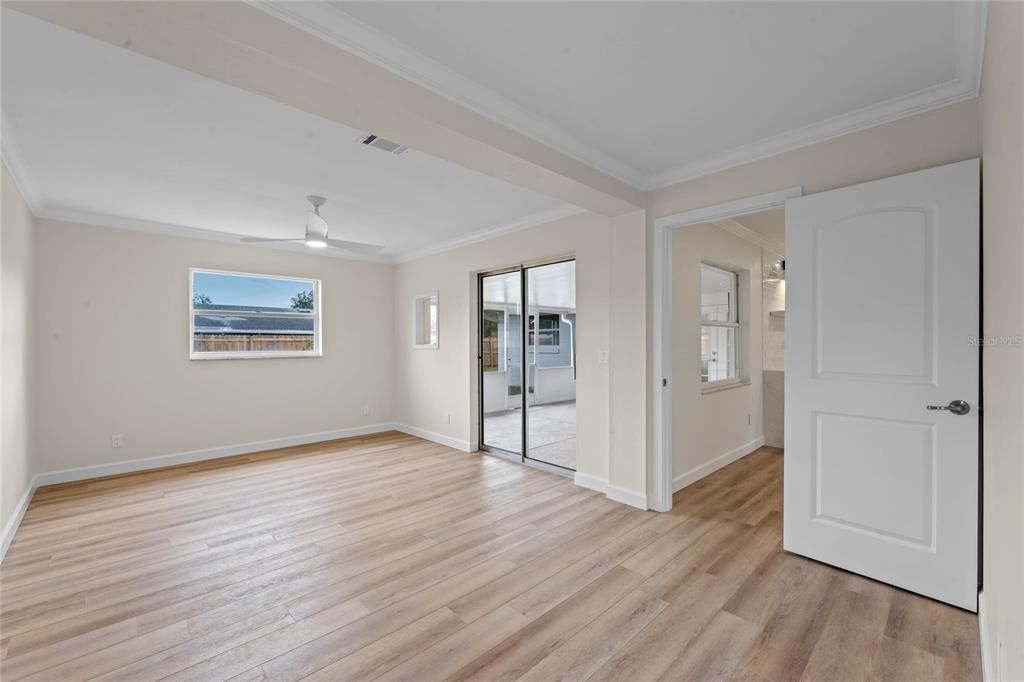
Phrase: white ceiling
pixel 98 131
pixel 649 92
pixel 656 92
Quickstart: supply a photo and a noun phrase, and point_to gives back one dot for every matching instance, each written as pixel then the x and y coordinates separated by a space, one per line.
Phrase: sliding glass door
pixel 551 358
pixel 501 362
pixel 528 367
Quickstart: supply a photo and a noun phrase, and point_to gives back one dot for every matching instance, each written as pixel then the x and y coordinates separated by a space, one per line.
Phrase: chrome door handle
pixel 955 406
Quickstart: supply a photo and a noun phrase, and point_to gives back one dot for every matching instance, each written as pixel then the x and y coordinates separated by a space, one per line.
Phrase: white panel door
pixel 882 315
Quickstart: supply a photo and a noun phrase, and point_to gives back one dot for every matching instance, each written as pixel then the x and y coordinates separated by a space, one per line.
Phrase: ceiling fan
pixel 316 233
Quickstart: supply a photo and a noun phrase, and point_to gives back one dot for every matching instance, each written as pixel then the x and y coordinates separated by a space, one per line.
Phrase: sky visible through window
pixel 240 290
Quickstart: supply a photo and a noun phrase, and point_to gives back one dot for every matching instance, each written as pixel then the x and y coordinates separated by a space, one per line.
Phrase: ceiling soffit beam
pixel 241 46
pixel 756 238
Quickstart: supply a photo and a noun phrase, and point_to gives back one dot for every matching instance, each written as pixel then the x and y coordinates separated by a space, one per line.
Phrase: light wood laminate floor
pixel 390 557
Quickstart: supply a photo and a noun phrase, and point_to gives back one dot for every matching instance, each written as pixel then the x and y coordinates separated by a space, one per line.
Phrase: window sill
pixel 719 386
pixel 255 355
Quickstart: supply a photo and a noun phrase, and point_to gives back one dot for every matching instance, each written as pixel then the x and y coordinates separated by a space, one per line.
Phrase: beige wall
pixel 112 339
pixel 707 426
pixel 628 456
pixel 930 139
pixel 432 384
pixel 915 143
pixel 16 460
pixel 1003 247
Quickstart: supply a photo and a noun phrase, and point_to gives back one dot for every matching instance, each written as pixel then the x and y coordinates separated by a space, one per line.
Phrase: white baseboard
pixel 440 438
pixel 614 492
pixel 693 475
pixel 590 482
pixel 627 496
pixel 988 672
pixel 11 527
pixel 159 461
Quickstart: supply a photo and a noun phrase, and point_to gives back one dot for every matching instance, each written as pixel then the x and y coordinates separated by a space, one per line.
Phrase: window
pixel 720 324
pixel 238 315
pixel 425 322
pixel 547 336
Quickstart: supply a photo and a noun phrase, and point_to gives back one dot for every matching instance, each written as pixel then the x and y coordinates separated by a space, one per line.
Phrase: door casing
pixel 659 488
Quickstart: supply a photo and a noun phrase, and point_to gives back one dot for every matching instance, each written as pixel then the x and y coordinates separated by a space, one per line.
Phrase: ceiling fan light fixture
pixel 316 233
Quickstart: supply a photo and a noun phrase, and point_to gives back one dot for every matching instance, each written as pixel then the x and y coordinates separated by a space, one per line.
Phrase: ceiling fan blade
pixel 354 246
pixel 261 239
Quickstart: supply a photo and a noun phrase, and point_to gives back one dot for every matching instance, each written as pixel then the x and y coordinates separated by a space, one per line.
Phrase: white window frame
pixel 741 378
pixel 317 350
pixel 436 296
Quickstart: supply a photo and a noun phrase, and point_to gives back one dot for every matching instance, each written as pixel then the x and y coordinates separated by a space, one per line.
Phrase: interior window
pixel 426 331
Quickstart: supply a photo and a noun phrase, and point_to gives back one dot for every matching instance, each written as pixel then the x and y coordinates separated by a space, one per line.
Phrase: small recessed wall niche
pixel 426 322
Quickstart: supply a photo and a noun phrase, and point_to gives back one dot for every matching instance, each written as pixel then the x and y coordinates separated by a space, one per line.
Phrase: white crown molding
pixel 919 102
pixel 15 162
pixel 187 232
pixel 333 25
pixel 524 223
pixel 13 159
pixel 970 22
pixel 730 209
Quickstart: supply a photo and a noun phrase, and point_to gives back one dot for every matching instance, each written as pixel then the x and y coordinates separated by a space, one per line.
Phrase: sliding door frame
pixel 524 365
pixel 520 456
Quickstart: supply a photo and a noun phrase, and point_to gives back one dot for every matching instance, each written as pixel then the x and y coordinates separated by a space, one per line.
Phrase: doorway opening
pixel 527 372
pixel 717 282
pixel 728 316
pixel 881 446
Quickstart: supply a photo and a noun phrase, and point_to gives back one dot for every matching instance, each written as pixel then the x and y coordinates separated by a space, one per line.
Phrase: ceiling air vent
pixel 386 145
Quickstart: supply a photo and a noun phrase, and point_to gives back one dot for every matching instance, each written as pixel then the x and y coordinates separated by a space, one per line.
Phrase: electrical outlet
pixel 602 357
pixel 366 410
pixel 447 417
pixel 116 440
